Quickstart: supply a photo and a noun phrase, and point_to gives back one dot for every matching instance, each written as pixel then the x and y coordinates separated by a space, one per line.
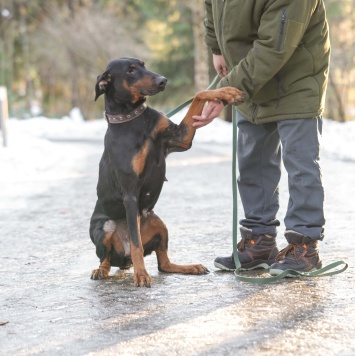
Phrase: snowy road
pixel 53 308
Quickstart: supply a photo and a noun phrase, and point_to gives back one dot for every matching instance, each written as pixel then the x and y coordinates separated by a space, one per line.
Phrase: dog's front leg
pixel 181 139
pixel 141 276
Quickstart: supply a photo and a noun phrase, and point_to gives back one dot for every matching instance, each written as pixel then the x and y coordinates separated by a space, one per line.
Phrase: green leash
pixel 322 272
pixel 187 102
pixel 257 280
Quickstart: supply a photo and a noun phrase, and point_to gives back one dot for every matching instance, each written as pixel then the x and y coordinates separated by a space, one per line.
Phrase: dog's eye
pixel 130 70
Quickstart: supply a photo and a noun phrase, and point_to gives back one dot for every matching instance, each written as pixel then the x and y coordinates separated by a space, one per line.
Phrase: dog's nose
pixel 161 81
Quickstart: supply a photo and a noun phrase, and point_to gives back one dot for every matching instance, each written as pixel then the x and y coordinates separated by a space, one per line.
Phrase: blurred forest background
pixel 51 51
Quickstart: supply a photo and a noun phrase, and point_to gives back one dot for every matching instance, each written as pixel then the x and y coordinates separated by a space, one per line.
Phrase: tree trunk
pixel 26 57
pixel 201 53
pixel 339 114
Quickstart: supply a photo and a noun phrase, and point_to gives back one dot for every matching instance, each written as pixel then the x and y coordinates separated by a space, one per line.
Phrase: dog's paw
pixel 229 95
pixel 184 269
pixel 142 279
pixel 99 274
pixel 197 269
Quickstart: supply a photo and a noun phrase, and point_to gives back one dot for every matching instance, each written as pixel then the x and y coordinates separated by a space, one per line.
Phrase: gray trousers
pixel 259 160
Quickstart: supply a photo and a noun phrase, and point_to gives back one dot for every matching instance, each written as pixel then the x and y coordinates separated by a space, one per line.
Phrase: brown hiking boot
pixel 254 251
pixel 300 255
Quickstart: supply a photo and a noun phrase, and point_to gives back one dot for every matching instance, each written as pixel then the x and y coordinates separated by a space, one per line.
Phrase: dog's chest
pixel 135 151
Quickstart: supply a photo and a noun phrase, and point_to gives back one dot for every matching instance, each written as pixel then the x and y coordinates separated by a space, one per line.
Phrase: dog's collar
pixel 121 118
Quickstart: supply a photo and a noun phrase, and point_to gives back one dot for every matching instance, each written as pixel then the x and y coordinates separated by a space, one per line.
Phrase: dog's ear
pixel 103 80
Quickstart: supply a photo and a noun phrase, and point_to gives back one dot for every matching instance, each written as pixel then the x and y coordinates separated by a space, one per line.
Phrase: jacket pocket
pixel 293 33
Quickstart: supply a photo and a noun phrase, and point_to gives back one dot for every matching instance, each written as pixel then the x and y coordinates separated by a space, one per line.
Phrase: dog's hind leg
pixel 103 249
pixel 103 271
pixel 155 238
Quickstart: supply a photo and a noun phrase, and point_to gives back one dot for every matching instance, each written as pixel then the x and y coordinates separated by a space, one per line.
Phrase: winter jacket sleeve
pixel 282 26
pixel 210 37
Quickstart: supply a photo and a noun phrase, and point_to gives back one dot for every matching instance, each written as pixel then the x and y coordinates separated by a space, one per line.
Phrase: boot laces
pixel 290 249
pixel 244 242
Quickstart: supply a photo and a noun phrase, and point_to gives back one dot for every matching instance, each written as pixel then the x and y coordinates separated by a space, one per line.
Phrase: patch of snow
pixel 34 149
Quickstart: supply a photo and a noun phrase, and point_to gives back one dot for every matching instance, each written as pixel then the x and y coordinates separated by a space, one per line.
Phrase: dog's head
pixel 127 79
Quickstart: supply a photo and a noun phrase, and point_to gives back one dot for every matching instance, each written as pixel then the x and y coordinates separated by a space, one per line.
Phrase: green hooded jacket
pixel 276 51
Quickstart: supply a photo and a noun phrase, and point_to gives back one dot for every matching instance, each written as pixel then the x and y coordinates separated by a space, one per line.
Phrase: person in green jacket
pixel 277 52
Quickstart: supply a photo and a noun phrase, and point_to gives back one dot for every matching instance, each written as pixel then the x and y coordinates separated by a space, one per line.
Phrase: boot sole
pixel 224 268
pixel 258 266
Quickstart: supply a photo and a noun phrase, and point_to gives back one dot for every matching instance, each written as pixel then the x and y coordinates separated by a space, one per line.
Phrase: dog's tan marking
pixel 135 94
pixel 117 236
pixel 105 266
pixel 141 276
pixel 107 240
pixel 117 244
pixel 126 86
pixel 161 126
pixel 136 88
pixel 139 159
pixel 103 271
pixel 143 83
pixel 152 225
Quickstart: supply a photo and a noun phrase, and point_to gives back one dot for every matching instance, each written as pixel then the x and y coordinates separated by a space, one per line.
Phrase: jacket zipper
pixel 282 30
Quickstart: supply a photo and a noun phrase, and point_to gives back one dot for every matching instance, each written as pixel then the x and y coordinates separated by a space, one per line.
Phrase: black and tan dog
pixel 123 226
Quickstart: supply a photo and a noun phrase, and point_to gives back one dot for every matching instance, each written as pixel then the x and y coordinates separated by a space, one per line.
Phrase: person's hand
pixel 209 113
pixel 213 108
pixel 220 65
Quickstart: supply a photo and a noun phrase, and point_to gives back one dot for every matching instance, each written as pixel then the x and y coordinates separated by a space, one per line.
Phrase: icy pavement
pixel 47 189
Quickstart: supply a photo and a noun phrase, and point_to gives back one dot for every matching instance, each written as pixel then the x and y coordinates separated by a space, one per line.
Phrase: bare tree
pixel 73 48
pixel 340 104
pixel 201 53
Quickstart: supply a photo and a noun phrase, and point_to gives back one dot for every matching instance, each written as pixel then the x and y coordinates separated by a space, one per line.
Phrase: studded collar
pixel 122 118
